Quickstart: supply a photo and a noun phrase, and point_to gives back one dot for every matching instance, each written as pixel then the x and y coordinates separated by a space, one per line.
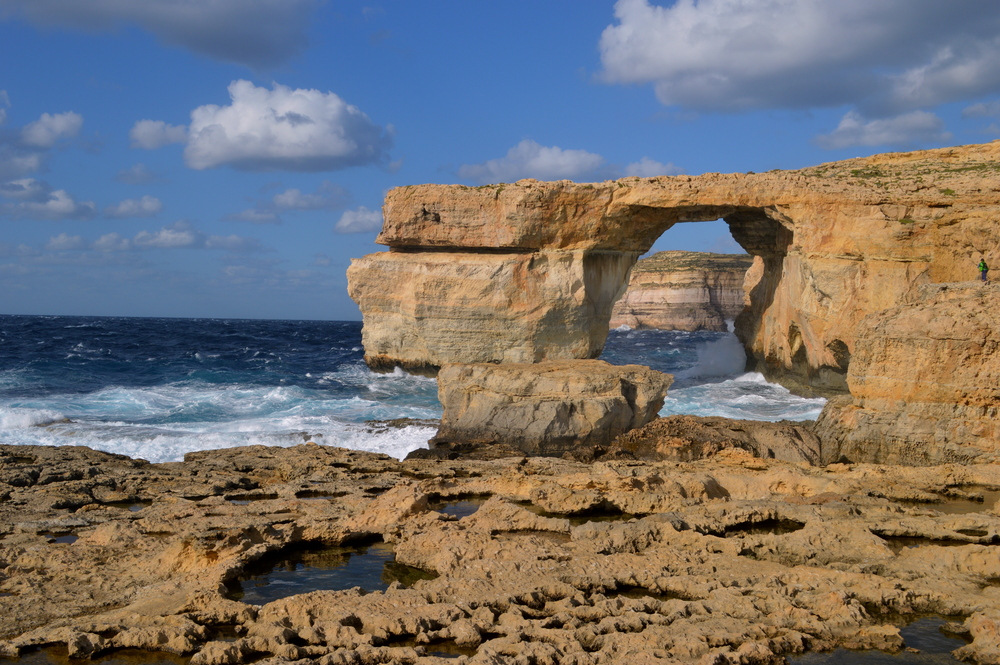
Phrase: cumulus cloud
pixel 902 130
pixel 283 129
pixel 24 151
pixel 179 235
pixel 153 134
pixel 49 206
pixel 982 110
pixel 648 168
pixel 528 159
pixel 147 206
pixel 254 216
pixel 50 128
pixel 64 242
pixel 25 189
pixel 327 196
pixel 359 220
pixel 137 174
pixel 257 33
pixel 887 55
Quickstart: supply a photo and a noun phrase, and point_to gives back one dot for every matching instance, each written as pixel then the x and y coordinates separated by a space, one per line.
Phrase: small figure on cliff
pixel 983 269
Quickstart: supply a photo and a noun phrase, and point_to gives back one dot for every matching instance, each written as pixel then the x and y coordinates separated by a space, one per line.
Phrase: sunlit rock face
pixel 683 291
pixel 529 271
pixel 924 381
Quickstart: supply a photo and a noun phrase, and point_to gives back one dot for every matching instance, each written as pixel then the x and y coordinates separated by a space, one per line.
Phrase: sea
pixel 157 388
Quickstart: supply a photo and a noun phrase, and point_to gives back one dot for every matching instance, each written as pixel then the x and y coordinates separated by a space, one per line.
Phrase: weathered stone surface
pixel 425 309
pixel 688 438
pixel 549 407
pixel 683 291
pixel 924 380
pixel 834 243
pixel 732 559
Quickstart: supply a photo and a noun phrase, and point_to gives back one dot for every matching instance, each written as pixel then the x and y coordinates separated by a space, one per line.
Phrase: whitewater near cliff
pixel 159 388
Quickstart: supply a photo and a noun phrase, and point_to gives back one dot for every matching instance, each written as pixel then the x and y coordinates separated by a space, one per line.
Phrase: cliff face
pixel 683 291
pixel 529 271
pixel 924 381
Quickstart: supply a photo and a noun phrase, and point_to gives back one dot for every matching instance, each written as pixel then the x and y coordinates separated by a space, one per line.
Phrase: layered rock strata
pixel 548 408
pixel 733 560
pixel 924 381
pixel 529 271
pixel 683 291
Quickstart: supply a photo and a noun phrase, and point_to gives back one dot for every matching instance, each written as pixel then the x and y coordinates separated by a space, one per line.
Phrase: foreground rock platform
pixel 732 559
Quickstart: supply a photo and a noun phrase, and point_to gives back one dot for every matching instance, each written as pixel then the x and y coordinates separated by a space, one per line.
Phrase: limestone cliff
pixel 529 271
pixel 683 291
pixel 924 381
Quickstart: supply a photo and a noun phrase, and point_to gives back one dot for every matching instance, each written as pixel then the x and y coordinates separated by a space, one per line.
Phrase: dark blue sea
pixel 158 388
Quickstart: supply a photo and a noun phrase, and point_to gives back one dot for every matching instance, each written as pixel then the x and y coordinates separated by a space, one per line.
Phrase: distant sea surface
pixel 159 388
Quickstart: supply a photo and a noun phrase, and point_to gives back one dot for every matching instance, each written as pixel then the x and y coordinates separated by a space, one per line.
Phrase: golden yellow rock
pixel 677 290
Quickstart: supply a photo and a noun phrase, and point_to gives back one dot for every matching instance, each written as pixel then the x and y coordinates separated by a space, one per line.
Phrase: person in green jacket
pixel 983 269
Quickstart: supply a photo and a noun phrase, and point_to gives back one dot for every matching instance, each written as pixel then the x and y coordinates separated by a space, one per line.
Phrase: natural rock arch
pixel 529 271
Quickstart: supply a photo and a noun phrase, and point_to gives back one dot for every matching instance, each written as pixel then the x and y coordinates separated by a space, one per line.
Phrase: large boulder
pixel 546 408
pixel 924 380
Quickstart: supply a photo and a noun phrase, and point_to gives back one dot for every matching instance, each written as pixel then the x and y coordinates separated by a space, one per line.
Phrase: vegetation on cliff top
pixel 679 261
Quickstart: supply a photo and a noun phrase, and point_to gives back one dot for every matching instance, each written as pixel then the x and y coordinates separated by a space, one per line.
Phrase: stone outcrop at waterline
pixel 733 559
pixel 683 291
pixel 530 271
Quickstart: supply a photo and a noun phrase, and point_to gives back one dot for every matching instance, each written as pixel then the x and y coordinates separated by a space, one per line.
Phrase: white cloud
pixel 153 134
pixel 112 242
pixel 282 128
pixel 55 205
pixel 138 174
pixel 258 33
pixel 648 168
pixel 982 110
pixel 528 159
pixel 49 128
pixel 360 220
pixel 147 206
pixel 254 216
pixel 902 130
pixel 64 242
pixel 24 151
pixel 892 55
pixel 179 235
pixel 25 189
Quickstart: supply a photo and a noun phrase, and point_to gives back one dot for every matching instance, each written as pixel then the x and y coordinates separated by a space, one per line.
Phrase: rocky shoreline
pixel 727 559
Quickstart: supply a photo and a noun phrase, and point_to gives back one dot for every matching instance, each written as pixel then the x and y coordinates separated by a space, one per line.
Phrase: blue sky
pixel 227 158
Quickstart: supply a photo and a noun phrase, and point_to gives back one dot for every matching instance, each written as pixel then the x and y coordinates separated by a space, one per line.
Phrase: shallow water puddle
pixel 373 568
pixel 446 649
pixel 962 506
pixel 319 495
pixel 131 506
pixel 245 499
pixel 459 508
pixel 578 519
pixel 901 543
pixel 775 527
pixel 925 635
pixel 62 537
pixel 59 656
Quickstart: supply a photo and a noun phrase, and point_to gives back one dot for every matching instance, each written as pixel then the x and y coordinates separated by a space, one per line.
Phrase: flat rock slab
pixel 732 559
pixel 547 408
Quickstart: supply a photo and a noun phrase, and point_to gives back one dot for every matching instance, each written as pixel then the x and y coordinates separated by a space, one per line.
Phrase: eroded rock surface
pixel 683 291
pixel 834 243
pixel 546 408
pixel 924 380
pixel 730 560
